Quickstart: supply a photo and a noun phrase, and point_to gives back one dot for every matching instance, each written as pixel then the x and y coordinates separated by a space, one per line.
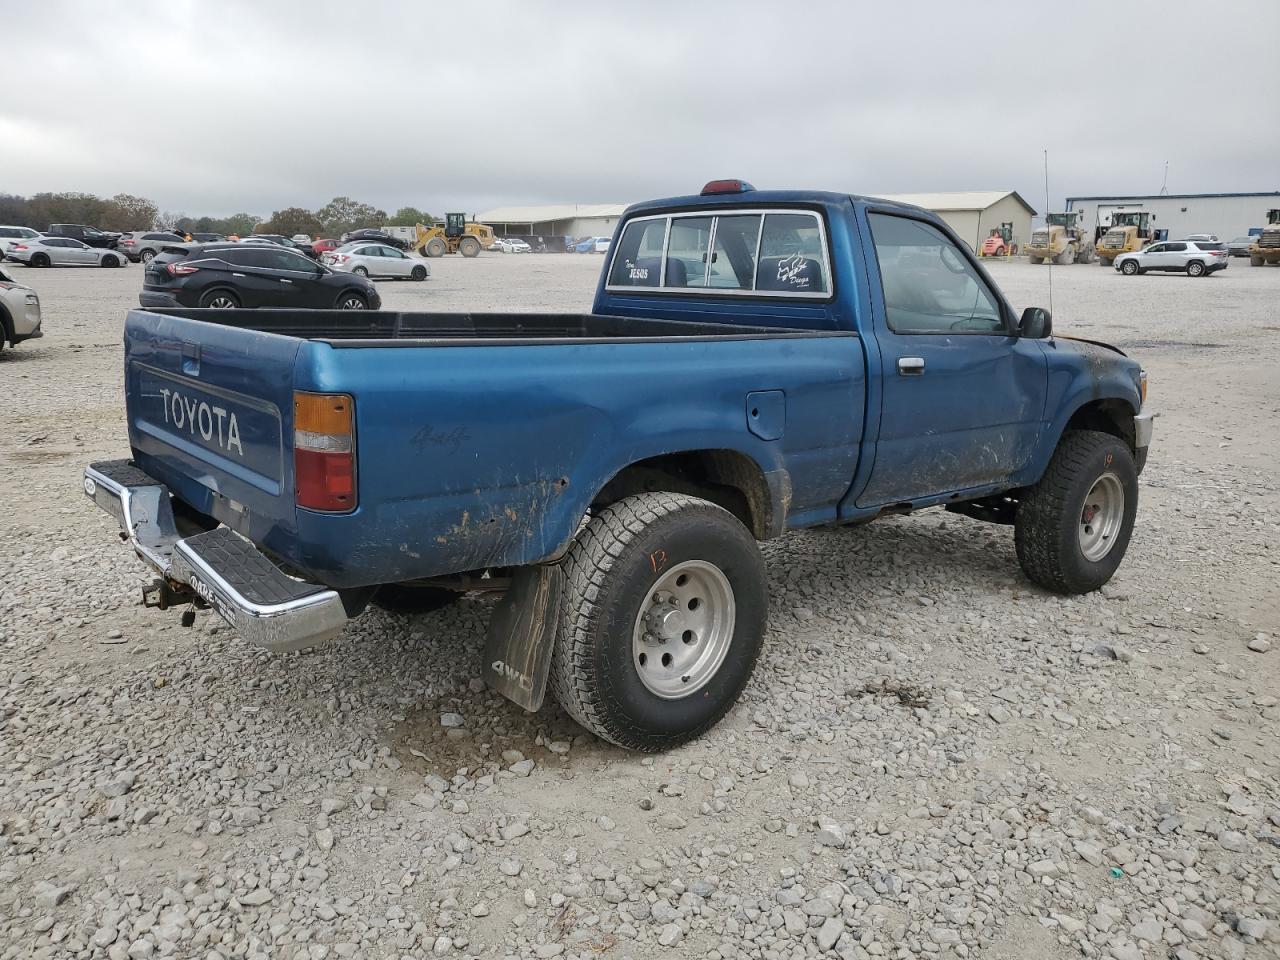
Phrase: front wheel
pixel 352 301
pixel 418 273
pixel 109 261
pixel 435 247
pixel 1074 525
pixel 1255 261
pixel 661 622
pixel 1129 268
pixel 1037 259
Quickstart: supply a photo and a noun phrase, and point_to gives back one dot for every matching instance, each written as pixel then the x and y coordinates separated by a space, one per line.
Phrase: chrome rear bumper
pixel 230 574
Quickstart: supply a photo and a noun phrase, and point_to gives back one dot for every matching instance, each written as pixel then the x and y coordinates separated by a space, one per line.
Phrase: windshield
pixel 1060 219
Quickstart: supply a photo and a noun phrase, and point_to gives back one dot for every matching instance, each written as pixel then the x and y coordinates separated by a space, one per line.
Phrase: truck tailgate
pixel 209 409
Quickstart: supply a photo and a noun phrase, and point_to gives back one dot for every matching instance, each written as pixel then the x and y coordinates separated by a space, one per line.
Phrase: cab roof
pixel 763 198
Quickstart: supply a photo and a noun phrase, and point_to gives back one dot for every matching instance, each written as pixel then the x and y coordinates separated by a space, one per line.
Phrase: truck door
pixel 962 396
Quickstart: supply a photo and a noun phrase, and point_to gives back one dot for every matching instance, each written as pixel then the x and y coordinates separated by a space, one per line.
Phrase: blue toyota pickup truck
pixel 755 362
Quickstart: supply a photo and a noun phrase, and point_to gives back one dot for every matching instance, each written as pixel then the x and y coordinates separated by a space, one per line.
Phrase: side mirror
pixel 1036 324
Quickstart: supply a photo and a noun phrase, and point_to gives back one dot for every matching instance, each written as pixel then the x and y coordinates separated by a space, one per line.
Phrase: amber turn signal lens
pixel 322 412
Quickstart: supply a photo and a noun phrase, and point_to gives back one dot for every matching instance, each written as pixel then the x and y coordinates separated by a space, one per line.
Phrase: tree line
pixel 125 212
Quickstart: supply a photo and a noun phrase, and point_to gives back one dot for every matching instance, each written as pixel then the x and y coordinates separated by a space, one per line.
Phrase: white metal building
pixel 971 214
pixel 974 214
pixel 555 220
pixel 1227 215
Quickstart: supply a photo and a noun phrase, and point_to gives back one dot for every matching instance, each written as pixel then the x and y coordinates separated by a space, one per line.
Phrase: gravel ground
pixel 934 757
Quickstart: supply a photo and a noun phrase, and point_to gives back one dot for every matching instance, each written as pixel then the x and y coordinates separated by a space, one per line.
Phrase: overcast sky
pixel 219 106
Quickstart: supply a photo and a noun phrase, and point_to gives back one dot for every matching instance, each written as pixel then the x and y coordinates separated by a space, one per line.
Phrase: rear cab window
pixel 762 252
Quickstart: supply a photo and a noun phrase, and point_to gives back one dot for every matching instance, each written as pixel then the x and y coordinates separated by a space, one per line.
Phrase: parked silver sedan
pixel 63 252
pixel 376 260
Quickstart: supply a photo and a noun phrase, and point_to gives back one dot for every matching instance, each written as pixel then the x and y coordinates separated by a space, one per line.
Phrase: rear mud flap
pixel 522 633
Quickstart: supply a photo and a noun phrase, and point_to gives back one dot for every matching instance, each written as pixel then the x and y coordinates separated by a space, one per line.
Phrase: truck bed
pixel 362 328
pixel 484 446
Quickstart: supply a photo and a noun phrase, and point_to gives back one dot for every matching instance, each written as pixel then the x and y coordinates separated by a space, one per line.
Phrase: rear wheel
pixel 1037 259
pixel 469 247
pixel 1106 261
pixel 1068 255
pixel 147 256
pixel 352 301
pixel 1129 268
pixel 1073 527
pixel 40 260
pixel 1086 255
pixel 1195 269
pixel 435 247
pixel 1255 261
pixel 418 273
pixel 220 300
pixel 360 272
pixel 662 620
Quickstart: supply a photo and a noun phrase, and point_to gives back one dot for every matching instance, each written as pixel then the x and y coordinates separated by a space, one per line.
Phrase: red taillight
pixel 324 456
pixel 180 269
pixel 340 258
pixel 127 243
pixel 17 246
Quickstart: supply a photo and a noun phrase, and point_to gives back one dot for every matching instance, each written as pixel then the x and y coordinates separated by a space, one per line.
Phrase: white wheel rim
pixel 683 629
pixel 1101 516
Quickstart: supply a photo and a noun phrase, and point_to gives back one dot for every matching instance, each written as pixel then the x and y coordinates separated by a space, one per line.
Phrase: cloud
pixel 259 106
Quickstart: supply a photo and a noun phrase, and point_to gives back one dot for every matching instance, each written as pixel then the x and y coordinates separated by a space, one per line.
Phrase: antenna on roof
pixel 1047 228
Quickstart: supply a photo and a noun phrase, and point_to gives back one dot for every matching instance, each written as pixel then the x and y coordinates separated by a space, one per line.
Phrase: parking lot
pixel 934 757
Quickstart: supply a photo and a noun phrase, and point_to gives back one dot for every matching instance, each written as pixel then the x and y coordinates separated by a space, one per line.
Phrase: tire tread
pixel 1039 514
pixel 599 546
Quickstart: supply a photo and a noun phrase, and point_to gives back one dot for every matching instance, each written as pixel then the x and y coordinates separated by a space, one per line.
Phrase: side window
pixel 929 286
pixel 250 255
pixel 1175 248
pixel 733 258
pixel 791 255
pixel 687 252
pixel 296 262
pixel 638 262
pixel 1157 248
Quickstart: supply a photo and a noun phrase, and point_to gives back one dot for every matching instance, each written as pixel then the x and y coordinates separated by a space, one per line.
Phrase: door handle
pixel 238 275
pixel 283 280
pixel 911 366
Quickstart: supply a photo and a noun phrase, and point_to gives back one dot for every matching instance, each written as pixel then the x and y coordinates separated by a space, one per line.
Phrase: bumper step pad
pixel 246 570
pixel 261 602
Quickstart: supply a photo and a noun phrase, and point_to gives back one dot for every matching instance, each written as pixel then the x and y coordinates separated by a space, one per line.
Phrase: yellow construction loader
pixel 1128 233
pixel 456 235
pixel 1266 247
pixel 1061 240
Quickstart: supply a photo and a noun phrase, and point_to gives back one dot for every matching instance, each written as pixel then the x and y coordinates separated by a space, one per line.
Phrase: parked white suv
pixel 1196 258
pixel 19 312
pixel 10 235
